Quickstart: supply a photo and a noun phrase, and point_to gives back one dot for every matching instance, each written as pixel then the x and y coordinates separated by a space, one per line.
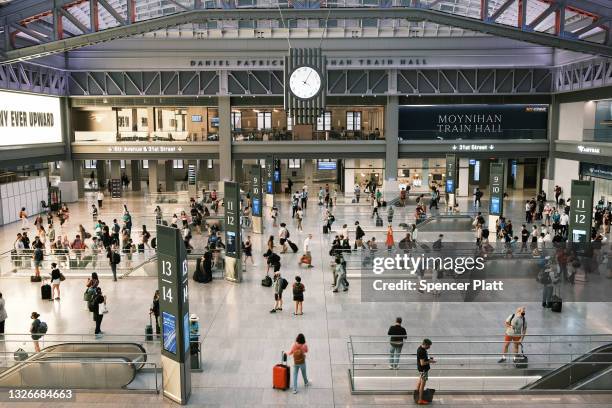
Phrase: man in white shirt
pixel 283 234
pixel 564 221
pixel 307 257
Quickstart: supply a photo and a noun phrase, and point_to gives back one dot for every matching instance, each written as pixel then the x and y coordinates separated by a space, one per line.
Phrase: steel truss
pixel 41 40
pixel 592 73
pixel 33 78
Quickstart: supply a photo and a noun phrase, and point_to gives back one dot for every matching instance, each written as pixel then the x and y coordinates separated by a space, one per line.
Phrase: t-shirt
pixel 422 355
pixel 397 333
pixel 518 325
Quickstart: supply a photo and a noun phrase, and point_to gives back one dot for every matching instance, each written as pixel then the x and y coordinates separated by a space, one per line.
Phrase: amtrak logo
pixel 587 149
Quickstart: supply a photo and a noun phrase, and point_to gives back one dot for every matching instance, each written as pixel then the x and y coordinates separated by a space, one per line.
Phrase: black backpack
pixel 116 258
pixel 284 283
pixel 91 304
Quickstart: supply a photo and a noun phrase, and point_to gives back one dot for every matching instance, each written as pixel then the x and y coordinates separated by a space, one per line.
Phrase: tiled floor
pixel 242 340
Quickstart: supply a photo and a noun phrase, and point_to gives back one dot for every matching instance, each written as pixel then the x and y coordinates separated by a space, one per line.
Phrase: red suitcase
pixel 280 375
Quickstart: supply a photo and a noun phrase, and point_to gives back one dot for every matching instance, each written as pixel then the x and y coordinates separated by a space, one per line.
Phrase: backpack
pixel 284 283
pixel 42 328
pixel 298 288
pixel 544 277
pixel 299 357
pixel 116 258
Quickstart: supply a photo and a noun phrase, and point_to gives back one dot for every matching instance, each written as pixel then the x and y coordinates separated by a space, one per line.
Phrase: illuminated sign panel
pixel 29 119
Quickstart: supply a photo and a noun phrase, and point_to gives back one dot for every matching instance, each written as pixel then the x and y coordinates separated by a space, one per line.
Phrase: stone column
pixel 101 173
pixel 153 176
pixel 225 140
pixel 115 172
pixel 71 180
pixel 135 168
pixel 390 185
pixel 349 177
pixel 169 175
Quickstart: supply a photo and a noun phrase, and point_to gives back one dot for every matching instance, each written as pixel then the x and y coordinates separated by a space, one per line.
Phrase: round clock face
pixel 305 82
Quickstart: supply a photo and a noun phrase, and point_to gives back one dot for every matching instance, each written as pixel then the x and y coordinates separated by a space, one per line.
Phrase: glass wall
pixel 602 131
pixel 421 173
pixel 337 123
pixel 146 124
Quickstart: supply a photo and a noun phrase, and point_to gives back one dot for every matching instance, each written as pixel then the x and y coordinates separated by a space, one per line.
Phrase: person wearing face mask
pixel 516 329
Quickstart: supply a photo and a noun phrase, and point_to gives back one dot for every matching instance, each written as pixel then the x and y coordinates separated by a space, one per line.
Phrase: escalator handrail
pixel 564 367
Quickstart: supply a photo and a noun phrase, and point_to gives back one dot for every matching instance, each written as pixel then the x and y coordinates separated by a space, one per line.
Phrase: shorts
pixel 424 375
pixel 37 263
pixel 55 282
pixel 278 296
pixel 282 241
pixel 515 339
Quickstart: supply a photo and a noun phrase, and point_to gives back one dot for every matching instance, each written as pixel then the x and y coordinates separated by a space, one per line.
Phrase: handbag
pixel 102 309
pixel 62 277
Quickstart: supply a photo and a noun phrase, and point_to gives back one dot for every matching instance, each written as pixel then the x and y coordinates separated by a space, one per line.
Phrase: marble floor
pixel 241 340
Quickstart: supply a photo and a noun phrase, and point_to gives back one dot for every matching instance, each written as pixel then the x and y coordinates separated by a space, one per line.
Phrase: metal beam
pixel 596 23
pixel 74 21
pixel 538 20
pixel 188 17
pixel 32 33
pixel 501 10
pixel 112 12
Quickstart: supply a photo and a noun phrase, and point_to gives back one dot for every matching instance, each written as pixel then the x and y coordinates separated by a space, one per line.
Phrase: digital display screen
pixel 450 186
pixel 277 176
pixel 472 162
pixel 269 188
pixel 196 118
pixel 169 332
pixel 579 236
pixel 29 119
pixel 230 245
pixel 214 122
pixel 323 165
pixel 256 207
pixel 494 208
pixel 186 331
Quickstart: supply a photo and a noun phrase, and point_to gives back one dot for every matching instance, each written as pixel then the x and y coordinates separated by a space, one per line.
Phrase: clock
pixel 305 82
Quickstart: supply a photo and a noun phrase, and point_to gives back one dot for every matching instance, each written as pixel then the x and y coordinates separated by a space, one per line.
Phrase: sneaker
pixel 422 402
pixel 502 360
pixel 273 311
pixel 334 291
pixel 295 391
pixel 309 383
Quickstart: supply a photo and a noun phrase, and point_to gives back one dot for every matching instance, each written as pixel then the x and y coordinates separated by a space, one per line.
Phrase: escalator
pixel 591 371
pixel 96 365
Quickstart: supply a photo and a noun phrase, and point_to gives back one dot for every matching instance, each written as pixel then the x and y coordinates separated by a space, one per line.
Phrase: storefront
pixel 602 176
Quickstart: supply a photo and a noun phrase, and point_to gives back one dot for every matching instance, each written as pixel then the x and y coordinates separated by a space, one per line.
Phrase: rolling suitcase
pixel 149 330
pixel 325 229
pixel 267 281
pixel 35 278
pixel 280 375
pixel 379 222
pixel 45 292
pixel 428 394
pixel 293 246
pixel 556 304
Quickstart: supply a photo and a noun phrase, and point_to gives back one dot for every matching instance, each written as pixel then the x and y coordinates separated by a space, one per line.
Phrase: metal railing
pixel 597 135
pixel 467 363
pixel 248 135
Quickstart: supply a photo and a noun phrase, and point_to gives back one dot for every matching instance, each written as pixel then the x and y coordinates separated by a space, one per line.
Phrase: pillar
pixel 463 184
pixel 135 170
pixel 349 176
pixel 101 173
pixel 238 171
pixel 539 175
pixel 192 188
pixel 225 140
pixel 425 173
pixel 169 175
pixel 519 180
pixel 391 185
pixel 115 172
pixel 71 180
pixel 153 176
pixel 308 172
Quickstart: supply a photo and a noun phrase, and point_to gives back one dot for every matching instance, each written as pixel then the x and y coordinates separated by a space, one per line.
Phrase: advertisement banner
pixel 450 122
pixel 29 119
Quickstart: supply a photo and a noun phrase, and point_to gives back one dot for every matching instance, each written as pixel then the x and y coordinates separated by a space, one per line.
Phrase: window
pixel 122 164
pixel 236 120
pixel 177 164
pixel 289 123
pixel 209 164
pixel 324 121
pixel 369 22
pixel 246 24
pixel 295 163
pixel 264 120
pixel 90 164
pixel 145 164
pixel 353 120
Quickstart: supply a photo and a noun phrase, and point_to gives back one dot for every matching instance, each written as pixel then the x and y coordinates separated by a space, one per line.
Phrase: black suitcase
pixel 293 246
pixel 267 281
pixel 149 330
pixel 428 394
pixel 45 292
pixel 141 248
pixel 521 360
pixel 384 203
pixel 35 278
pixel 379 222
pixel 325 229
pixel 556 304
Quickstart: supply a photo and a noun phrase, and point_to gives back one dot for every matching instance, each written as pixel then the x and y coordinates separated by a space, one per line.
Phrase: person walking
pixel 155 310
pixel 3 315
pixel 423 365
pixel 298 351
pixel 56 279
pixel 23 216
pixel 307 257
pixel 248 250
pixel 114 258
pixel 37 256
pixel 99 310
pixel 477 197
pixel 298 295
pixel 398 335
pixel 37 330
pixel 100 198
pixel 300 217
pixel 516 329
pixel 340 276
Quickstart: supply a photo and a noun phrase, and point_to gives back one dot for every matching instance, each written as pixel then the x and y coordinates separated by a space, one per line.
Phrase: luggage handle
pixel 283 357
